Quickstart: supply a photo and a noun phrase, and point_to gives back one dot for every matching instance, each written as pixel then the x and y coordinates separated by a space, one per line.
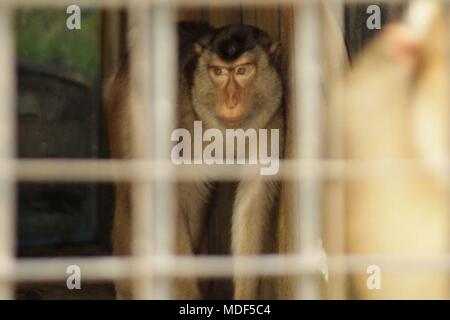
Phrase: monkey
pixel 229 77
pixel 396 108
pixel 236 84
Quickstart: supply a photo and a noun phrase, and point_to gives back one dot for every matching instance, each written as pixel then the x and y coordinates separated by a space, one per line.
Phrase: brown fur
pixel 255 201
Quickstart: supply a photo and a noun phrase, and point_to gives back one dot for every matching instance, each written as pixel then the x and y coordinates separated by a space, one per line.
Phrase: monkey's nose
pixel 232 101
pixel 231 105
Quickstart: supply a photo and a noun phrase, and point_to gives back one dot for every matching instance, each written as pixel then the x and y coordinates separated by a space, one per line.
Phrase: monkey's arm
pixel 251 227
pixel 191 223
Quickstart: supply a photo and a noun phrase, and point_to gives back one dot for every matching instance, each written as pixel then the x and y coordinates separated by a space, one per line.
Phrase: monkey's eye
pixel 241 70
pixel 218 71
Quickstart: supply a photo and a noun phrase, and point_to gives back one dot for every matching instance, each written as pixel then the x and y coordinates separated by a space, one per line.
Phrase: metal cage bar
pixel 113 268
pixel 307 26
pixel 335 211
pixel 145 170
pixel 179 3
pixel 140 45
pixel 7 152
pixel 163 122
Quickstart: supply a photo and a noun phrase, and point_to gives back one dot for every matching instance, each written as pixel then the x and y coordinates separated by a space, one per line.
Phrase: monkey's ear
pixel 198 48
pixel 275 49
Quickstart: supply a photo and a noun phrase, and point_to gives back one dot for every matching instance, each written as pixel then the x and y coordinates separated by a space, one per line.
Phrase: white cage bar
pixel 113 268
pixel 307 64
pixel 163 122
pixel 144 170
pixel 7 153
pixel 142 237
pixel 334 230
pixel 185 3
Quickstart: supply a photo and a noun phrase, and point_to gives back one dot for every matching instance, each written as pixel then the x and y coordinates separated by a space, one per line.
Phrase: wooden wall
pixel 275 20
pixel 267 18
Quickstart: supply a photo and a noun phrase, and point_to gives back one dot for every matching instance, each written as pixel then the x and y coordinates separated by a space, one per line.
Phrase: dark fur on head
pixel 188 34
pixel 231 41
pixel 228 42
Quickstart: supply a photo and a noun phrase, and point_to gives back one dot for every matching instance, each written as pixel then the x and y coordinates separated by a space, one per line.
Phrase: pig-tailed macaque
pixel 396 109
pixel 236 84
pixel 228 79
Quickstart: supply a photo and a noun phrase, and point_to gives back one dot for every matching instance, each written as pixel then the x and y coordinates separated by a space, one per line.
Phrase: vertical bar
pixel 307 23
pixel 335 202
pixel 162 118
pixel 447 17
pixel 338 8
pixel 419 17
pixel 110 38
pixel 140 97
pixel 7 152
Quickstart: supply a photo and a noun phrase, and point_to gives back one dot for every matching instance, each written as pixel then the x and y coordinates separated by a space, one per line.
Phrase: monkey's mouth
pixel 232 121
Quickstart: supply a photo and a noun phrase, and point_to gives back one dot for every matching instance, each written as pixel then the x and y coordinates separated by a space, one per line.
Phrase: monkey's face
pixel 233 83
pixel 231 93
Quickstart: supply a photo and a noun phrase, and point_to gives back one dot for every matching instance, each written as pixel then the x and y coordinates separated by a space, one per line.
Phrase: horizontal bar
pixel 180 3
pixel 111 268
pixel 41 170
